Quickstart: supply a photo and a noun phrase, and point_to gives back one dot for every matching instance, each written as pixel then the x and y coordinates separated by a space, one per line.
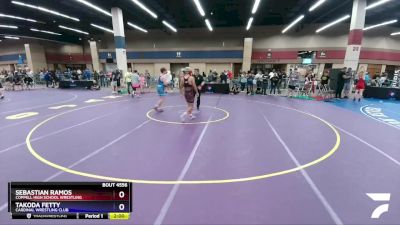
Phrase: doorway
pixel 177 67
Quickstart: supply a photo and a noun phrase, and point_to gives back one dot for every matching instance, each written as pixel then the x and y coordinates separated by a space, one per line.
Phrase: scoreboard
pixel 70 200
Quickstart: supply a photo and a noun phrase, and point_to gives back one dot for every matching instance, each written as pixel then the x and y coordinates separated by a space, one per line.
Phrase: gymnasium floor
pixel 244 160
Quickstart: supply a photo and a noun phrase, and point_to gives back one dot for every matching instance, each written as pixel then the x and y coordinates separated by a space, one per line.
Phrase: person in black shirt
pixel 199 79
pixel 340 83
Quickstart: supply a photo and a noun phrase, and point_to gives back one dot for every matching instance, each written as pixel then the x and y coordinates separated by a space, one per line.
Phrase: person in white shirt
pixel 272 74
pixel 258 75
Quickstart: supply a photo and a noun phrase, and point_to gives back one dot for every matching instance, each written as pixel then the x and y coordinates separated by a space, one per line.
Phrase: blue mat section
pixel 384 111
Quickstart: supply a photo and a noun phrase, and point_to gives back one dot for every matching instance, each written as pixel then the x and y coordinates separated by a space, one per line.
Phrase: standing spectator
pixel 347 82
pixel 293 82
pixel 128 80
pixel 367 78
pixel 230 76
pixel 258 79
pixel 96 77
pixel 360 87
pixel 243 81
pixel 115 81
pixel 136 83
pixel 265 79
pixel 274 83
pixel 47 78
pixel 280 77
pixel 224 77
pixel 79 74
pixel 1 91
pixel 102 79
pixel 284 80
pixel 148 78
pixel 340 83
pixel 87 74
pixel 250 83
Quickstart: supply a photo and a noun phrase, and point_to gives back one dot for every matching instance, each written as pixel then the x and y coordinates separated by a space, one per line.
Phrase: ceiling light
pixel 199 8
pixel 45 31
pixel 320 2
pixel 249 23
pixel 373 5
pixel 11 37
pixel 95 7
pixel 137 27
pixel 293 23
pixel 138 3
pixel 169 26
pixel 72 29
pixel 8 26
pixel 209 25
pixel 45 10
pixel 380 24
pixel 102 28
pixel 17 17
pixel 394 34
pixel 333 23
pixel 255 6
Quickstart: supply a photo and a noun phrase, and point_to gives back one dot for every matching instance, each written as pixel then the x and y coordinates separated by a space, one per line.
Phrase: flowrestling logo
pixel 380 115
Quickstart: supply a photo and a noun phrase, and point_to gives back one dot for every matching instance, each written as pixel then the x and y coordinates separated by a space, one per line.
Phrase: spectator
pixel 224 77
pixel 284 80
pixel 250 84
pixel 47 78
pixel 230 75
pixel 103 79
pixel 293 82
pixel 360 86
pixel 325 78
pixel 128 80
pixel 274 82
pixel 265 79
pixel 148 78
pixel 210 77
pixel 367 78
pixel 136 83
pixel 340 83
pixel 243 81
pixel 280 78
pixel 347 82
pixel 87 74
pixel 1 91
pixel 258 79
pixel 115 81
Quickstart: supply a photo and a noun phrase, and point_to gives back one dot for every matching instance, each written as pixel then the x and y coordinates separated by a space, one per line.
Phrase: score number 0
pixel 121 195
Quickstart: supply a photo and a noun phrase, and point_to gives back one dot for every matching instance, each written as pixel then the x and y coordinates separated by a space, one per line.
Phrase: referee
pixel 199 83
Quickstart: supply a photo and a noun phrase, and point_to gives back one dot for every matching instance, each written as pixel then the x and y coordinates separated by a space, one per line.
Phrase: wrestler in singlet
pixel 190 93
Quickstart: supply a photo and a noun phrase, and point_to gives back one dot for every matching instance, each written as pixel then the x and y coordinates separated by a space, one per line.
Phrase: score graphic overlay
pixel 70 200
